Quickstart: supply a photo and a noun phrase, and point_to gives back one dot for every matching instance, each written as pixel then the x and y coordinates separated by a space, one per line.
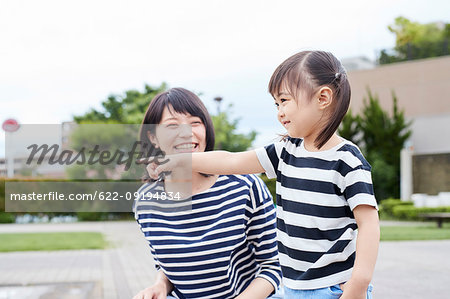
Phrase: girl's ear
pixel 152 138
pixel 325 97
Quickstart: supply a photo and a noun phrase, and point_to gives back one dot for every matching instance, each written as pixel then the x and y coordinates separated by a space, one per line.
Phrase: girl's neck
pixel 311 147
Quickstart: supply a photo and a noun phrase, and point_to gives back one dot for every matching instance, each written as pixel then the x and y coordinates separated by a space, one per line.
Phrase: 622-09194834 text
pixel 104 196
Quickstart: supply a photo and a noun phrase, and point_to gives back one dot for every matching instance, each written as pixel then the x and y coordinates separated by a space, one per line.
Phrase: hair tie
pixel 337 76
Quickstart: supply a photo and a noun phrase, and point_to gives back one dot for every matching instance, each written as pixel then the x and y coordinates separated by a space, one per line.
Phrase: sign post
pixel 10 126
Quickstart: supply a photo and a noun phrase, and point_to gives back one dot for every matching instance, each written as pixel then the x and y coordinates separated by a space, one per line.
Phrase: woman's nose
pixel 185 130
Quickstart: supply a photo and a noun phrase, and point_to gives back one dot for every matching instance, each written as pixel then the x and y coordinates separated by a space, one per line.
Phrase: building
pixel 422 88
pixel 57 134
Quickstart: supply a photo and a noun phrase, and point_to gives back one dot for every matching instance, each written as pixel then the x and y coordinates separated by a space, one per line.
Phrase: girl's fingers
pixel 151 169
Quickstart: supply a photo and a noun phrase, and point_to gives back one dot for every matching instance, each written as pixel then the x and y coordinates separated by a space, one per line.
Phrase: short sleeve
pixel 269 157
pixel 359 187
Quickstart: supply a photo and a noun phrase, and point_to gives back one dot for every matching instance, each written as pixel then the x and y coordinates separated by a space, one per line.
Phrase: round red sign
pixel 10 125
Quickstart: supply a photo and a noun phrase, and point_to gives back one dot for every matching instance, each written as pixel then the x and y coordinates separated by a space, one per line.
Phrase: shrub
pixel 7 217
pixel 271 185
pixel 412 213
pixel 387 205
pixel 92 216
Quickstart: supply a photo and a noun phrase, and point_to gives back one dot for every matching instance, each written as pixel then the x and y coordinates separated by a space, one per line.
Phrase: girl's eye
pixel 283 100
pixel 196 123
pixel 173 126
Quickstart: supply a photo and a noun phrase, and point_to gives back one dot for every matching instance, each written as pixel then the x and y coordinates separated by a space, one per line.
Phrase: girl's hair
pixel 181 101
pixel 309 71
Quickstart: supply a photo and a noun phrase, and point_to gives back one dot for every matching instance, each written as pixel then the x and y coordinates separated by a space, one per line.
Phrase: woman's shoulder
pixel 151 186
pixel 239 177
pixel 246 179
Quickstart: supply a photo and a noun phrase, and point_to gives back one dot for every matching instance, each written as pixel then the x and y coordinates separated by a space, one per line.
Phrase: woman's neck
pixel 189 184
pixel 201 183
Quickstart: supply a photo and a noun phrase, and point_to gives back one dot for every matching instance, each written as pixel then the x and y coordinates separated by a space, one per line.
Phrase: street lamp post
pixel 218 100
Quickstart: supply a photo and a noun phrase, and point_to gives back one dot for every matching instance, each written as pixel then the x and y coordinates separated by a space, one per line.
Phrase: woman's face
pixel 179 133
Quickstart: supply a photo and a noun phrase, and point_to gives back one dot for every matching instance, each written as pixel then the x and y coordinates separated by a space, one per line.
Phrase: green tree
pixel 383 136
pixel 416 41
pixel 349 128
pixel 226 136
pixel 101 128
pixel 123 109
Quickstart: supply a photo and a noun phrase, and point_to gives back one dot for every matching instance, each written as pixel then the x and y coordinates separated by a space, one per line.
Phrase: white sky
pixel 60 58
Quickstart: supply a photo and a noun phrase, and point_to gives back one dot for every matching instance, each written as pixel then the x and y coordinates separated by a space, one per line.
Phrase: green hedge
pixel 82 216
pixel 387 206
pixel 4 217
pixel 7 217
pixel 2 195
pixel 405 210
pixel 412 213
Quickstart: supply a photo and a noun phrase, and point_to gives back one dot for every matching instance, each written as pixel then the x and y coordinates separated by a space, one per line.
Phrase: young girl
pixel 327 218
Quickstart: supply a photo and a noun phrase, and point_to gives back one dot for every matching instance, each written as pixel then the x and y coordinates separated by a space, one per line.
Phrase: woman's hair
pixel 181 101
pixel 308 71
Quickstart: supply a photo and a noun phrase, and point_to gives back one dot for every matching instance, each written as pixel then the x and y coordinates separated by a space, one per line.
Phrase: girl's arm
pixel 366 252
pixel 222 162
pixel 214 162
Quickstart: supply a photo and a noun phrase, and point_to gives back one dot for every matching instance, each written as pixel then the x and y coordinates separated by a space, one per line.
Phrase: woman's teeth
pixel 186 146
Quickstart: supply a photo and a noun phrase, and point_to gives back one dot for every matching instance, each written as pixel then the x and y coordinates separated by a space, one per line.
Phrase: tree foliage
pixel 349 128
pixel 101 127
pixel 382 136
pixel 416 41
pixel 226 136
pixel 123 109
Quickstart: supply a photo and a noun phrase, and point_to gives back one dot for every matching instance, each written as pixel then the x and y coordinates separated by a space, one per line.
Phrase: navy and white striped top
pixel 316 193
pixel 216 244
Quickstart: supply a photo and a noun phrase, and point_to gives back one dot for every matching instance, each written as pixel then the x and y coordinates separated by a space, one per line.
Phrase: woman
pixel 221 241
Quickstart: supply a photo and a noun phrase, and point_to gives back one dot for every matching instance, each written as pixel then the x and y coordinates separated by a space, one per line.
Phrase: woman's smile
pixel 186 147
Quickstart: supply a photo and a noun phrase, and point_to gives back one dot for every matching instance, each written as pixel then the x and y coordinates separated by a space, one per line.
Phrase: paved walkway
pixel 413 270
pixel 118 272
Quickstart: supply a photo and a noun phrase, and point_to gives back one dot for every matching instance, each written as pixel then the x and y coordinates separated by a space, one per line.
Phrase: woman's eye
pixel 172 126
pixel 196 123
pixel 283 100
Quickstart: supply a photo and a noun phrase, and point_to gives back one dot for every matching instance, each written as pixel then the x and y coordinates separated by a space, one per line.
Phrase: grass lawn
pixel 403 233
pixel 51 241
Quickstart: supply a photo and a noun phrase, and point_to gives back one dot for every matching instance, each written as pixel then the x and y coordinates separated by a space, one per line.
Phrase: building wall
pixel 422 88
pixel 431 173
pixel 431 134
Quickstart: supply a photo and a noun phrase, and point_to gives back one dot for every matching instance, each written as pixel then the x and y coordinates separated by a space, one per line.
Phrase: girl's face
pixel 301 117
pixel 179 133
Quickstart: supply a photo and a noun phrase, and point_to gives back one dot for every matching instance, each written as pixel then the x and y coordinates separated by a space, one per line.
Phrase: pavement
pixel 118 272
pixel 407 269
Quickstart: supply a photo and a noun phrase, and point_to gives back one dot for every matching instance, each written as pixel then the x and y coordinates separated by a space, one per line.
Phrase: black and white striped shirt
pixel 316 193
pixel 219 244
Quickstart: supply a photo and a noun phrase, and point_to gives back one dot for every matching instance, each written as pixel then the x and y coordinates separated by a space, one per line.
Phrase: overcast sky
pixel 60 58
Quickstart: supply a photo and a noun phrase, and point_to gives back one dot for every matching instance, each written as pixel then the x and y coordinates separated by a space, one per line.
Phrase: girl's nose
pixel 280 112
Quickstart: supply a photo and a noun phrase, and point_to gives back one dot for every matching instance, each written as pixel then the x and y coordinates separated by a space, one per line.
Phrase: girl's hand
pixel 353 290
pixel 156 291
pixel 171 162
